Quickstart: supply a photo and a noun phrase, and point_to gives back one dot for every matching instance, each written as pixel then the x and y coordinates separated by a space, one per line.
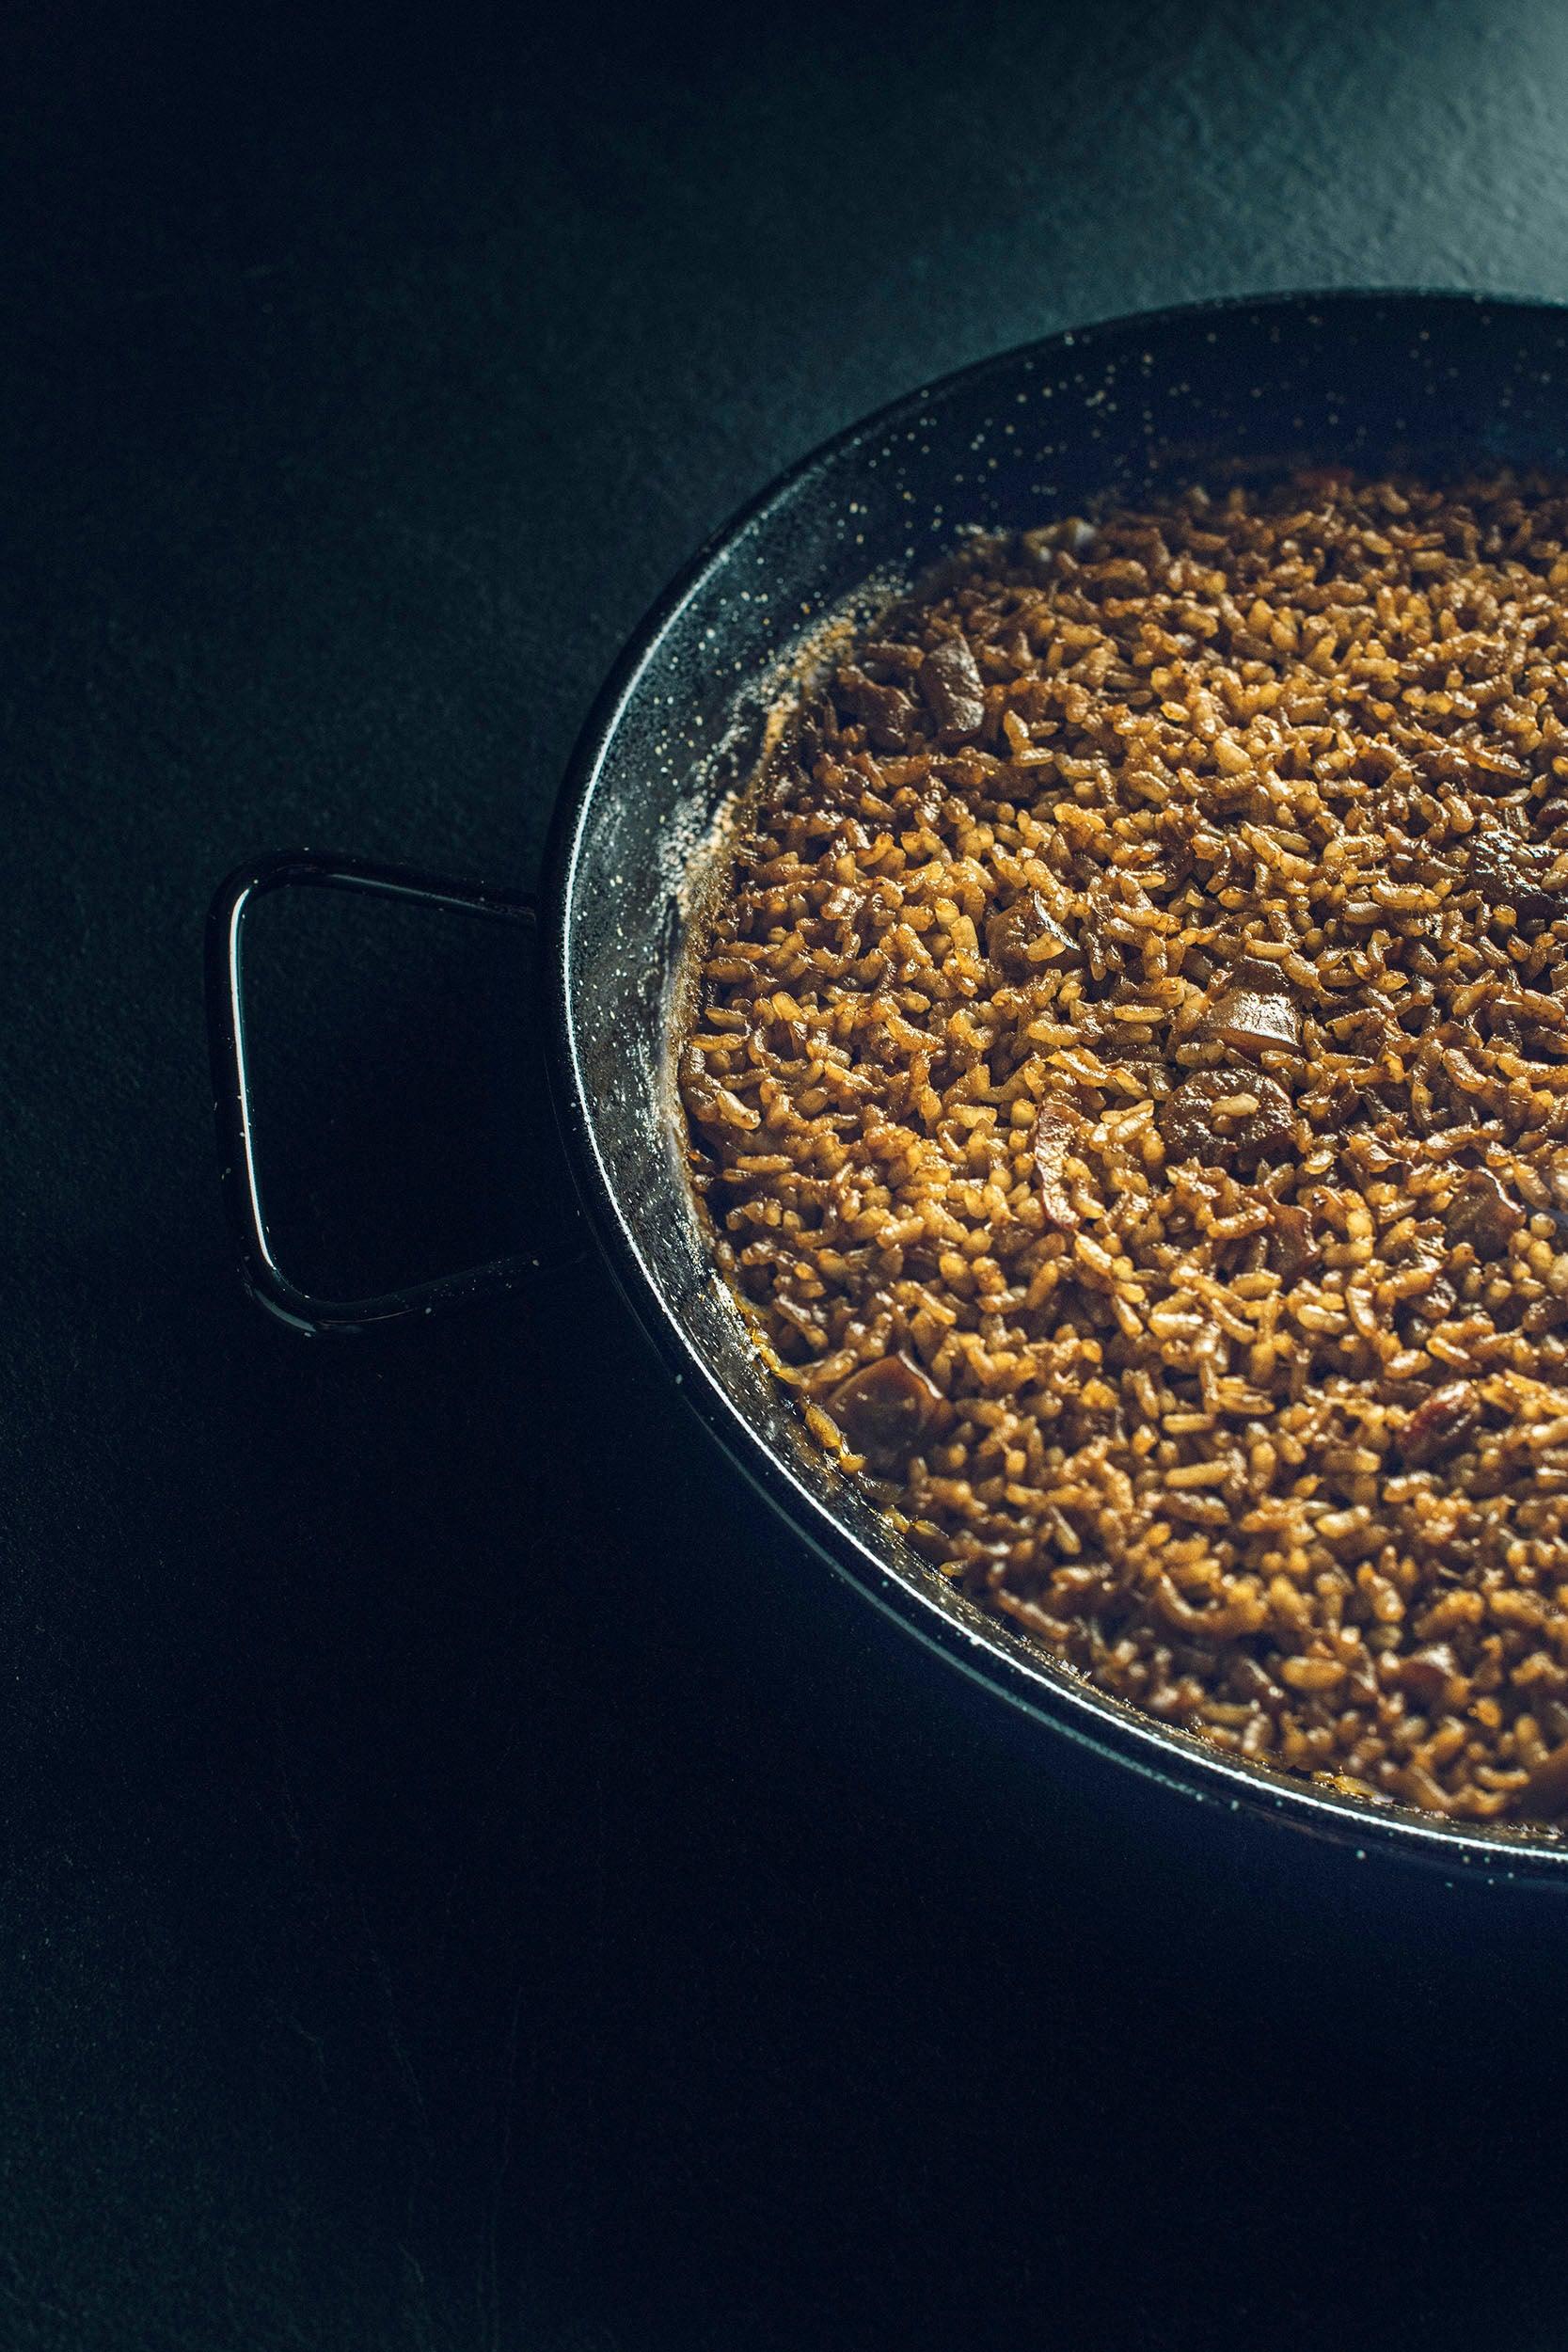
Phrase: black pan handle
pixel 236 1126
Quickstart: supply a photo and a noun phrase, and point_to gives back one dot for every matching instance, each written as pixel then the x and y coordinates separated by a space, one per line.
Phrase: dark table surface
pixel 468 1884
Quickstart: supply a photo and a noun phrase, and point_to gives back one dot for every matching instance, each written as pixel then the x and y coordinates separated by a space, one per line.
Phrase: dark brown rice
pixel 1130 1090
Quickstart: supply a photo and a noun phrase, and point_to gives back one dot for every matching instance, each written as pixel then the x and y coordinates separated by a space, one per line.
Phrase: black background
pixel 467 1884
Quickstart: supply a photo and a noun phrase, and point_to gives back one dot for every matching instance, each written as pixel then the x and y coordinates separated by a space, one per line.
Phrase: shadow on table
pixel 661 1946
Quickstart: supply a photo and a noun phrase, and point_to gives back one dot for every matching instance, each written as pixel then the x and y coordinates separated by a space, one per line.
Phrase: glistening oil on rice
pixel 1129 1091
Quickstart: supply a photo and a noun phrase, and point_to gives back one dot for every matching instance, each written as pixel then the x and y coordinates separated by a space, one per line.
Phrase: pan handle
pixel 231 1099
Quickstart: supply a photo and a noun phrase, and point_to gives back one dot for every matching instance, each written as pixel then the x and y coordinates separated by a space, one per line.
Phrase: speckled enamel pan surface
pixel 1429 381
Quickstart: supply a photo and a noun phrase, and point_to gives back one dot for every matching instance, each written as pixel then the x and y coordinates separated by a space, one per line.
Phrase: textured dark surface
pixel 465 1884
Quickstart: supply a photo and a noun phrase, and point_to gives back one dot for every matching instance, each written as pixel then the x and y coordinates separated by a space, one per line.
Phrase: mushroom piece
pixel 1510 872
pixel 886 710
pixel 1481 1214
pixel 1292 1246
pixel 1448 1420
pixel 1010 934
pixel 1253 1023
pixel 884 1409
pixel 1545 1795
pixel 950 681
pixel 1198 1122
pixel 1054 1130
pixel 1255 1013
pixel 1426 1675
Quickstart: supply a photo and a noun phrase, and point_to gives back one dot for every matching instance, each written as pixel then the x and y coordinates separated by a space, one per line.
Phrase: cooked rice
pixel 1130 1089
